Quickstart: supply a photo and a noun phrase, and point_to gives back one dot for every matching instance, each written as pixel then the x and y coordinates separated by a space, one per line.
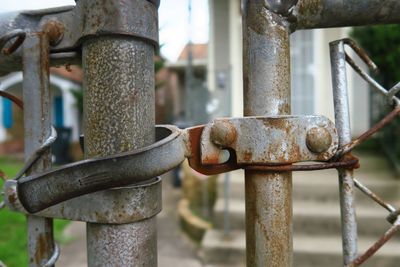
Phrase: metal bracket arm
pixel 37 192
pixel 270 140
pixel 253 141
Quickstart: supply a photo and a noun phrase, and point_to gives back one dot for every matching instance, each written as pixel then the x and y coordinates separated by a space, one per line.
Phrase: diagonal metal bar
pixel 373 196
pixel 375 85
pixel 377 245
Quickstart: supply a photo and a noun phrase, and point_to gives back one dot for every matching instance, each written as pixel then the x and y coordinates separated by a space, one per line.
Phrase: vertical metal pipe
pixel 342 121
pixel 37 118
pixel 119 116
pixel 266 77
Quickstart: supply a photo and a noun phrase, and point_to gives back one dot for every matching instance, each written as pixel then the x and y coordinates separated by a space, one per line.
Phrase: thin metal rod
pixel 373 196
pixel 342 120
pixel 266 77
pixel 119 116
pixel 37 119
pixel 17 101
pixel 375 85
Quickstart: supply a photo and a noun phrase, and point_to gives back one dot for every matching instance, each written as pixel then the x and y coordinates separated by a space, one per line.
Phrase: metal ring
pixel 17 33
pixel 96 174
pixel 52 260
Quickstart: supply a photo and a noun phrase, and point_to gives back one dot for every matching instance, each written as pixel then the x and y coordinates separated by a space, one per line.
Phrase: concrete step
pixel 311 218
pixel 322 186
pixel 309 251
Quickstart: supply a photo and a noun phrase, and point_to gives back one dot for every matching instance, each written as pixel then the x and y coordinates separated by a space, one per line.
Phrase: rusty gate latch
pixel 250 142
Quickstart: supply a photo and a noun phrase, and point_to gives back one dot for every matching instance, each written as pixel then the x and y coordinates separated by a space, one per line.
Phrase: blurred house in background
pixel 178 82
pixel 64 110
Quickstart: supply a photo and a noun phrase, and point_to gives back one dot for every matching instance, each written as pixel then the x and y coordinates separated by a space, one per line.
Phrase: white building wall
pixel 6 82
pixel 236 58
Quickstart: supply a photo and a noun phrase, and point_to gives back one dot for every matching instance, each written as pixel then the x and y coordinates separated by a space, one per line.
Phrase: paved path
pixel 174 247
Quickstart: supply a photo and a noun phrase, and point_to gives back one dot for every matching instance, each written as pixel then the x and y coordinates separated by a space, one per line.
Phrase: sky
pixel 175 30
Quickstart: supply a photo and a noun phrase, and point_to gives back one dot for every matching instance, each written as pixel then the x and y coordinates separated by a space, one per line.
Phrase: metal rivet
pixel 318 139
pixel 223 133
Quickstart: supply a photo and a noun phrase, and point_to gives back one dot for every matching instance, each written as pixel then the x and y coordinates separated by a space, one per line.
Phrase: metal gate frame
pixel 115 41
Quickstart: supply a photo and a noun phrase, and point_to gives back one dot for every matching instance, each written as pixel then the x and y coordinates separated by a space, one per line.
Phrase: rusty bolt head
pixel 318 139
pixel 223 133
pixel 54 30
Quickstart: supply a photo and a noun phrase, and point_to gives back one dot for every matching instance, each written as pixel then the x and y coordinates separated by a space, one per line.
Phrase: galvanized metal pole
pixel 342 121
pixel 37 119
pixel 266 77
pixel 119 116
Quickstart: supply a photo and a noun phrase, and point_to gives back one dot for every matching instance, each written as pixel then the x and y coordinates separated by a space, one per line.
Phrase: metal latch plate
pixel 270 140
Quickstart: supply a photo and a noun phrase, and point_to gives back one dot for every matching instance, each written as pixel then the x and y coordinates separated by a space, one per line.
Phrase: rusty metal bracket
pixel 277 140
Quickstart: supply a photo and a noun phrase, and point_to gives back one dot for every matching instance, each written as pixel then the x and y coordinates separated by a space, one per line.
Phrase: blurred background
pixel 198 78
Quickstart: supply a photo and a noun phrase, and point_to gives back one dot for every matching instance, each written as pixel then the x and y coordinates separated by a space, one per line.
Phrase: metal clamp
pixel 40 191
pixel 253 142
pixel 270 140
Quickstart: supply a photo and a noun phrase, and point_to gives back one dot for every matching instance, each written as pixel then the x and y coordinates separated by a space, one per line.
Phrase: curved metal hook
pixel 4 39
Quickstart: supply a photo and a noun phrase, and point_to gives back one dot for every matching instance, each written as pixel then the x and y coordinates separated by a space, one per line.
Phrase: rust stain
pixel 43 247
pixel 54 30
pixel 12 198
pixel 310 7
pixel 247 155
pixel 195 157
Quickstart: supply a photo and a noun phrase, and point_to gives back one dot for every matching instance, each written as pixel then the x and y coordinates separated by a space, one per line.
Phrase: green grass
pixel 13 233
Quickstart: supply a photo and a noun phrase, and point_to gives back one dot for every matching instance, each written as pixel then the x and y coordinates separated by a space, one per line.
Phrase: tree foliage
pixel 383 45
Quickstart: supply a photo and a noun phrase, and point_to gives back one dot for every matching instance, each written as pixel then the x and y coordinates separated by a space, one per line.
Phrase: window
pixel 302 56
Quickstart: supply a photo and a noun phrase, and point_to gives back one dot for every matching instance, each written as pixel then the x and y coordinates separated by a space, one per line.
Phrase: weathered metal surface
pixel 137 244
pixel 40 191
pixel 37 128
pixel 118 117
pixel 136 18
pixel 311 14
pixel 135 203
pixel 266 78
pixel 342 121
pixel 346 163
pixel 269 140
pixel 194 157
pixel 16 37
